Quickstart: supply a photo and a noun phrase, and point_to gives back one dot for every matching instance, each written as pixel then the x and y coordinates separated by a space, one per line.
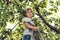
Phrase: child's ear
pixel 25 15
pixel 33 15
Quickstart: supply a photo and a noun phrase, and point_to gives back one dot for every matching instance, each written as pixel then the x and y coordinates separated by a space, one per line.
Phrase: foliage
pixel 12 10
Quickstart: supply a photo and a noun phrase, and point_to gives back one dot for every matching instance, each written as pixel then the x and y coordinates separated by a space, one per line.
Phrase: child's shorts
pixel 27 37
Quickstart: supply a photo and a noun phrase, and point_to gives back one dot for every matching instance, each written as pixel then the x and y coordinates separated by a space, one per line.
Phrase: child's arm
pixel 30 26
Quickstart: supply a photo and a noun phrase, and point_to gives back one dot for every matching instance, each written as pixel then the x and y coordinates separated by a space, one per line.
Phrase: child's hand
pixel 35 28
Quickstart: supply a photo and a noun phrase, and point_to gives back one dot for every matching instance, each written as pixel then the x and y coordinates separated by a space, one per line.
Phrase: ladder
pixel 36 34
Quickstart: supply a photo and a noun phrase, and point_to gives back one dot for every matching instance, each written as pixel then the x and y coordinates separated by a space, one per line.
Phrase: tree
pixel 12 11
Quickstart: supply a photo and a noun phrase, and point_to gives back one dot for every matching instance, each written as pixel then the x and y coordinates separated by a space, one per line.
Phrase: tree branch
pixel 43 19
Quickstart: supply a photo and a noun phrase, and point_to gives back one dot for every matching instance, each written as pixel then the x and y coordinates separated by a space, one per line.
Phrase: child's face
pixel 29 14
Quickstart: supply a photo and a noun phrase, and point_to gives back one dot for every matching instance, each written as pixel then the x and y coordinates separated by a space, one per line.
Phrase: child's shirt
pixel 27 31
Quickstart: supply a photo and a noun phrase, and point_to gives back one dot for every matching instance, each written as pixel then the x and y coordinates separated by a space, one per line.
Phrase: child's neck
pixel 30 17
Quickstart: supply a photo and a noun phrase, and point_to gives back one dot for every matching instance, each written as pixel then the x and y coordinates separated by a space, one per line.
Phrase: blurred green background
pixel 11 12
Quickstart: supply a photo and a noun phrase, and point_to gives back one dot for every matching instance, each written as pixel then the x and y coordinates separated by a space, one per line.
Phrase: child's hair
pixel 26 10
